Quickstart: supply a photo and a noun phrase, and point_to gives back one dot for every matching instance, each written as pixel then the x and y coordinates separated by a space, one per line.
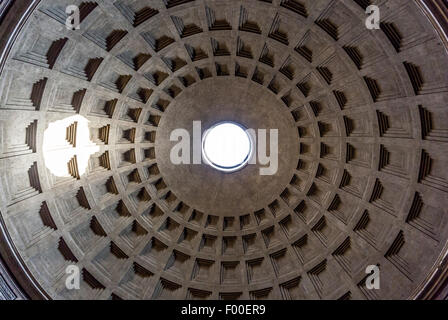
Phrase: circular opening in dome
pixel 227 146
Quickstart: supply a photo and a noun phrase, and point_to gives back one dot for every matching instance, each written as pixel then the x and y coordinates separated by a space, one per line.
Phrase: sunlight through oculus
pixel 227 146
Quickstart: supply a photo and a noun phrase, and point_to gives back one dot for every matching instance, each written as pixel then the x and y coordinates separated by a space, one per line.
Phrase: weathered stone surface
pixel 363 127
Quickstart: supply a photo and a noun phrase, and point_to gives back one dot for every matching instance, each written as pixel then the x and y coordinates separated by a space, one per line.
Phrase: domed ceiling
pixel 362 125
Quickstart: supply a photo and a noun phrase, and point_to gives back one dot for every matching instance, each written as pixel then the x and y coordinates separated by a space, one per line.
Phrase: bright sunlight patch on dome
pixel 58 151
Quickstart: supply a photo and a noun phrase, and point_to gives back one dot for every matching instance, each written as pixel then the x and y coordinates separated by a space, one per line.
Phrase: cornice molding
pixel 4 6
pixel 16 281
pixel 436 285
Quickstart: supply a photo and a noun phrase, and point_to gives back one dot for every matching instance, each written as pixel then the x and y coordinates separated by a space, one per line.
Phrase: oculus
pixel 227 146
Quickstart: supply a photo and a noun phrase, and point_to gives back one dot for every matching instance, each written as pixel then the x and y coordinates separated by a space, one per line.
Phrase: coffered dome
pixel 362 125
